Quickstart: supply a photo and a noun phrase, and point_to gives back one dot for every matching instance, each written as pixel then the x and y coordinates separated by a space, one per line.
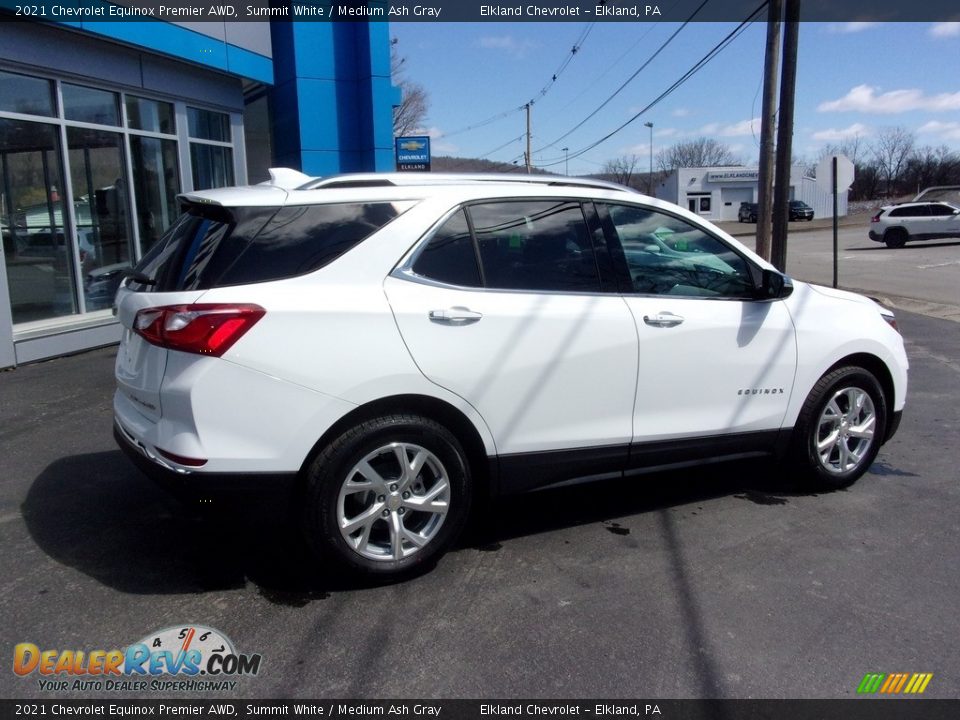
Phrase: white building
pixel 715 193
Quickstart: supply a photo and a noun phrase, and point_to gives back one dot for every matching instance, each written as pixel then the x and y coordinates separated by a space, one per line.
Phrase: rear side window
pixel 212 246
pixel 535 245
pixel 449 257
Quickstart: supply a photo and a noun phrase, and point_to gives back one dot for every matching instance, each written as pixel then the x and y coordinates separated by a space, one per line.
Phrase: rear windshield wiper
pixel 140 278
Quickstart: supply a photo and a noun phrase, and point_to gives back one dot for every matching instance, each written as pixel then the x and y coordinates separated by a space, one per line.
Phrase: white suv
pixel 894 225
pixel 394 345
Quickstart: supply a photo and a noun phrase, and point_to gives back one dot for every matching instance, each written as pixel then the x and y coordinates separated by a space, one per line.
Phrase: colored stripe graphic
pixel 870 683
pixel 894 683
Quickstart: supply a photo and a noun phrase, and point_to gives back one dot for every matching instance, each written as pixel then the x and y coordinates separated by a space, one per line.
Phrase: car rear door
pixel 507 306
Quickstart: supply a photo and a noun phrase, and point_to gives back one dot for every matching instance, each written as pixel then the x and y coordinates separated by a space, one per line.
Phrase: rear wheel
pixel 388 496
pixel 895 238
pixel 839 430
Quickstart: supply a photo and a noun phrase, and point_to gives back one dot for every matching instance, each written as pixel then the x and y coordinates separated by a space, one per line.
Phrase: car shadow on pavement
pixel 605 501
pixel 881 246
pixel 99 515
pixel 96 513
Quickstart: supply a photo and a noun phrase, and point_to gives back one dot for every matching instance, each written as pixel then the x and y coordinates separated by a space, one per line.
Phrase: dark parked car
pixel 799 210
pixel 748 212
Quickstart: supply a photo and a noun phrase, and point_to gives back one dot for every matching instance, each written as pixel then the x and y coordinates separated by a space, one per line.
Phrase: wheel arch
pixel 878 368
pixel 451 417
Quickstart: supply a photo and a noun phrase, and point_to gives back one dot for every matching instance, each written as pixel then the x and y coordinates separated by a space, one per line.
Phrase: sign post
pixel 413 154
pixel 835 172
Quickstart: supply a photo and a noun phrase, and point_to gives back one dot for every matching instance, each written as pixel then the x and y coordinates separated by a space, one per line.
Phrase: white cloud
pixel 944 30
pixel 437 144
pixel 833 135
pixel 946 130
pixel 665 132
pixel 507 43
pixel 864 98
pixel 737 129
pixel 850 27
pixel 680 112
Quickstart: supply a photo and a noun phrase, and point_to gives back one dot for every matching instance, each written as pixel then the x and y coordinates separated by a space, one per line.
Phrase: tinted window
pixel 939 210
pixel 23 94
pixel 90 105
pixel 152 115
pixel 918 211
pixel 208 125
pixel 535 245
pixel 213 246
pixel 669 256
pixel 449 257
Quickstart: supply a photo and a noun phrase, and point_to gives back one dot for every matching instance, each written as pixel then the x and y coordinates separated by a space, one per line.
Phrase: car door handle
pixel 664 319
pixel 455 316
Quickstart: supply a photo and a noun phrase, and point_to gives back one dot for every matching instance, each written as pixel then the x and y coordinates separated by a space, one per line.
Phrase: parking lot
pixel 702 583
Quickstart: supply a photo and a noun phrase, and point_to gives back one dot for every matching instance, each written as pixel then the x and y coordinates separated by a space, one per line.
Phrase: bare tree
pixel 893 148
pixel 410 115
pixel 621 170
pixel 701 152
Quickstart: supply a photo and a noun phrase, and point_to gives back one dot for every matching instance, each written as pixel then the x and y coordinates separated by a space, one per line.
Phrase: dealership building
pixel 103 124
pixel 715 193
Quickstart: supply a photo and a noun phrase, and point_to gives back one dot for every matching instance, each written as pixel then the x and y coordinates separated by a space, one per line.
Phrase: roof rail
pixel 353 180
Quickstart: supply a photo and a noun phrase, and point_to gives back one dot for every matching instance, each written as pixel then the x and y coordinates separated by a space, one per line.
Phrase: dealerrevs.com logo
pixel 181 658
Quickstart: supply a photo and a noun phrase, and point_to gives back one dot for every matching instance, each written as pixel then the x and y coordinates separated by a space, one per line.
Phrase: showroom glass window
pixel 88 182
pixel 211 152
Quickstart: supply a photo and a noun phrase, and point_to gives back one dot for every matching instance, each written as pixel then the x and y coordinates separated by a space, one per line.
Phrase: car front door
pixel 505 306
pixel 716 366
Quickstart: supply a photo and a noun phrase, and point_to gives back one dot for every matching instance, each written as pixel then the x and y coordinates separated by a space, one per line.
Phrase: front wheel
pixel 387 496
pixel 895 238
pixel 839 430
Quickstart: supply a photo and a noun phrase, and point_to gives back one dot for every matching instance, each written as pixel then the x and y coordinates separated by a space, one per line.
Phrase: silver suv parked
pixel 895 225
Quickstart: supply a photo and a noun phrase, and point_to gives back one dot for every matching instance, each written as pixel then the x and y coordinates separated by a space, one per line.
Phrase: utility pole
pixel 768 124
pixel 566 162
pixel 788 86
pixel 650 176
pixel 529 159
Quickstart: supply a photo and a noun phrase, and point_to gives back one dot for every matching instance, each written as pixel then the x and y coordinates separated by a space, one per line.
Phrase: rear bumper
pixel 875 236
pixel 208 489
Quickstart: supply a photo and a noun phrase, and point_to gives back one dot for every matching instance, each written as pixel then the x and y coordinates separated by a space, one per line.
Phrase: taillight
pixel 206 329
pixel 876 218
pixel 891 321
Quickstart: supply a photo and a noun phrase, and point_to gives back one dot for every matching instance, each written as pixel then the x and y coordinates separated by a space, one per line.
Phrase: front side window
pixel 941 210
pixel 535 245
pixel 666 255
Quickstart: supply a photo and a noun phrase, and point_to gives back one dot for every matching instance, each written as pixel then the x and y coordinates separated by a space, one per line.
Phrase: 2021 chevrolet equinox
pixel 396 345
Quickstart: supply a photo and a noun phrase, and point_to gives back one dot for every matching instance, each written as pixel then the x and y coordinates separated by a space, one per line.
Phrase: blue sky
pixel 853 79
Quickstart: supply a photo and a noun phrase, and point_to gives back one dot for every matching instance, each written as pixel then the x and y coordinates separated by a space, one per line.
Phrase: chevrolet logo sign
pixel 412 145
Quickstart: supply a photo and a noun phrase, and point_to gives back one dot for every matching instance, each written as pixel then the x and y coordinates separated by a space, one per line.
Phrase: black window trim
pixel 623 270
pixel 403 270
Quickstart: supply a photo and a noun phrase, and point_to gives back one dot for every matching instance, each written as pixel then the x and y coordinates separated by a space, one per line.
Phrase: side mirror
pixel 775 286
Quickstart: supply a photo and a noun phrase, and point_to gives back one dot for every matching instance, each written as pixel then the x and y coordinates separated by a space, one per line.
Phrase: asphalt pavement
pixel 703 583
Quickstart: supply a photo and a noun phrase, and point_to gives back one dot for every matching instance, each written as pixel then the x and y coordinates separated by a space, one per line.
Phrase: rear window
pixel 213 246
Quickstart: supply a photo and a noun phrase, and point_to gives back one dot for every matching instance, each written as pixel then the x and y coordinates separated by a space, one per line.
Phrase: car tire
pixel 830 446
pixel 358 476
pixel 895 238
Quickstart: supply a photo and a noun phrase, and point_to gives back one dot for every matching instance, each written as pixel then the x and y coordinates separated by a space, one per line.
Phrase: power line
pixel 593 83
pixel 577 45
pixel 628 80
pixel 717 49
